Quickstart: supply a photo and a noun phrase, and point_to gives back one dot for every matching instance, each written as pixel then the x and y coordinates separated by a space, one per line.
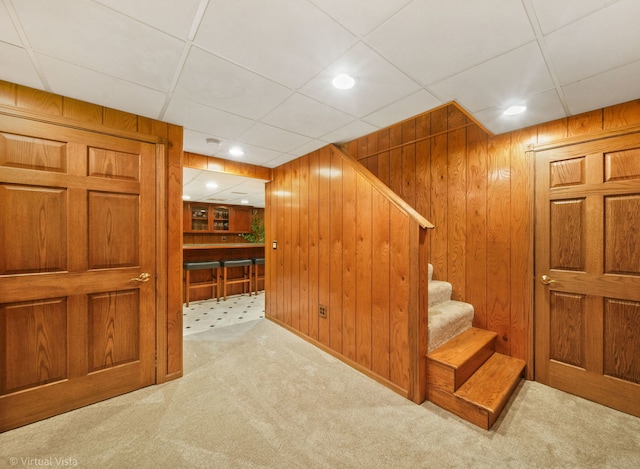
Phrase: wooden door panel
pixel 622 339
pixel 113 333
pixel 33 339
pixel 567 232
pixel 588 246
pixel 113 222
pixel 19 151
pixel 622 234
pixel 78 228
pixel 33 229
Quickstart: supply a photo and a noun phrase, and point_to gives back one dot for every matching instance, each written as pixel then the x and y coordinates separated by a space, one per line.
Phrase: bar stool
pixel 257 261
pixel 201 265
pixel 246 276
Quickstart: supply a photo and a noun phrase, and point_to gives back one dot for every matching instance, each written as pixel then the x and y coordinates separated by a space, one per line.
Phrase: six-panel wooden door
pixel 77 269
pixel 588 268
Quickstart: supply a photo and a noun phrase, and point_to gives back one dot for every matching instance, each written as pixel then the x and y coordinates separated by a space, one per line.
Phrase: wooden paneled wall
pixel 477 189
pixel 64 111
pixel 213 163
pixel 345 243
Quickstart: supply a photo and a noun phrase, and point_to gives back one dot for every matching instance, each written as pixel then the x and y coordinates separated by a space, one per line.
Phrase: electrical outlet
pixel 323 311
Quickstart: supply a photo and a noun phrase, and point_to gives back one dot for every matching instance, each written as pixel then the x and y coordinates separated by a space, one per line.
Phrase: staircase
pixel 466 375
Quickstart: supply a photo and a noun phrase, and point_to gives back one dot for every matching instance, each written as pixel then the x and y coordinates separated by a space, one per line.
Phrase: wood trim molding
pixel 565 142
pixel 384 189
pixel 213 163
pixel 80 125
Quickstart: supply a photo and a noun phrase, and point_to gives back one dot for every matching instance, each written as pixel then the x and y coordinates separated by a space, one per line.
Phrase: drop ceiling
pixel 256 73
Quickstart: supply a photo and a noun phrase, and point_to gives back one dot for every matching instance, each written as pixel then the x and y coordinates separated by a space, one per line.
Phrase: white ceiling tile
pixel 252 154
pixel 554 14
pixel 407 107
pixel 307 148
pixel 349 132
pixel 516 74
pixel 286 40
pixel 98 88
pixel 223 85
pixel 608 88
pixel 360 16
pixel 273 138
pixel 602 41
pixel 378 83
pixel 8 31
pixel 103 40
pixel 172 16
pixel 17 66
pixel 307 117
pixel 201 118
pixel 543 107
pixel 432 39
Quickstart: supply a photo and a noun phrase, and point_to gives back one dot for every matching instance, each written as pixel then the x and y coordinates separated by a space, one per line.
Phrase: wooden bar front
pixel 217 252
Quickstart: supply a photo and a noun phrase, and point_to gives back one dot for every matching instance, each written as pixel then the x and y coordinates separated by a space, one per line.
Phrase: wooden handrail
pixel 384 189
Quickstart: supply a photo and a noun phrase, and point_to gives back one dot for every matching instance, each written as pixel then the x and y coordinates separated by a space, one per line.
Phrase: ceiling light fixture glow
pixel 343 81
pixel 186 197
pixel 236 151
pixel 212 185
pixel 514 110
pixel 244 201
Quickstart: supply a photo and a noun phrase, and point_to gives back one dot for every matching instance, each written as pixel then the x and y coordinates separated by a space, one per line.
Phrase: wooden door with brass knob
pixel 587 265
pixel 77 296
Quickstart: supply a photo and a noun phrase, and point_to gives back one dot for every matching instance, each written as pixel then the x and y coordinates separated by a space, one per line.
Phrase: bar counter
pixel 216 252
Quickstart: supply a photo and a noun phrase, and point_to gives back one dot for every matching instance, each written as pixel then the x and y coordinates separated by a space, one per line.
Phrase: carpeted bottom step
pixel 447 320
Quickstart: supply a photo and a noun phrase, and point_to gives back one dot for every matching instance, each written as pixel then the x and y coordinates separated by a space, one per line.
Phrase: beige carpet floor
pixel 256 396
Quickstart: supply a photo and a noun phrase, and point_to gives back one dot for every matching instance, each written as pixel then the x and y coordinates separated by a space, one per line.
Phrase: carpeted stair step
pixel 439 292
pixel 451 364
pixel 488 390
pixel 447 320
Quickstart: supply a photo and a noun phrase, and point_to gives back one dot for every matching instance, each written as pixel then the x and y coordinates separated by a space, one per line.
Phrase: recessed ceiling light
pixel 236 151
pixel 343 81
pixel 515 109
pixel 186 197
pixel 244 201
pixel 212 185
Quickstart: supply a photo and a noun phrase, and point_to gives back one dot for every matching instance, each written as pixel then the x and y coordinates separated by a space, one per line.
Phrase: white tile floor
pixel 208 314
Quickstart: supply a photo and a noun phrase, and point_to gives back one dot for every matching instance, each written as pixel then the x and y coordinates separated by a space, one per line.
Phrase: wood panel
pixel 621 343
pixel 358 245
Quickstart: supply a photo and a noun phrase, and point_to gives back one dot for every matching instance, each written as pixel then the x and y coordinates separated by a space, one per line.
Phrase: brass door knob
pixel 546 280
pixel 142 278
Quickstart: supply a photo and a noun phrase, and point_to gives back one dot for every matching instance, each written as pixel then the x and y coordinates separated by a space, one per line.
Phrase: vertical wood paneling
pixel 303 208
pixel 372 148
pixel 82 111
pixel 349 270
pixel 287 252
pixel 409 163
pixel 423 163
pixel 439 215
pixel 457 210
pixel 269 230
pixel 335 259
pixel 324 241
pixel 398 301
pixel 39 101
pixel 364 222
pixel 584 124
pixel 280 273
pixel 499 241
pixel 314 243
pixel 380 293
pixel 295 245
pixel 384 157
pixel 119 119
pixel 8 93
pixel 395 159
pixel 476 272
pixel 621 115
pixel 521 290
